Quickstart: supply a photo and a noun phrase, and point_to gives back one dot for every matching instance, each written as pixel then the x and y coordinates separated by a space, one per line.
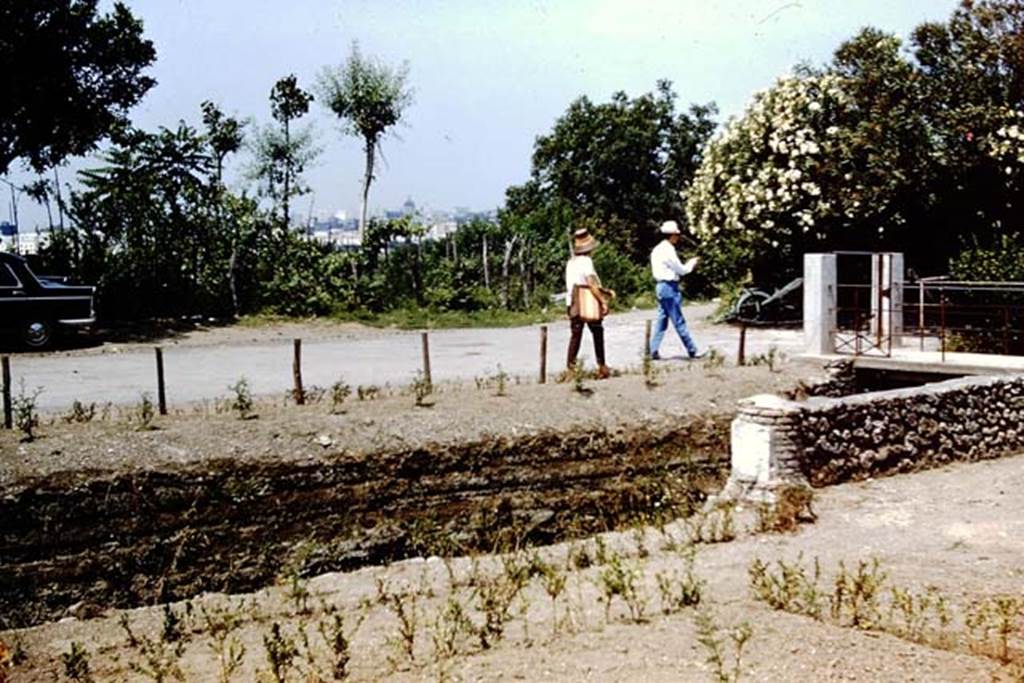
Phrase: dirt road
pixel 202 364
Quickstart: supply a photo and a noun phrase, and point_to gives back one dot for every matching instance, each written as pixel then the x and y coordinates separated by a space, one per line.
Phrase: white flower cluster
pixel 761 172
pixel 1008 143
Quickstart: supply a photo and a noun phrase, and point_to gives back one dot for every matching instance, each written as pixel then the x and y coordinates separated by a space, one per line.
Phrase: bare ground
pixel 112 443
pixel 957 529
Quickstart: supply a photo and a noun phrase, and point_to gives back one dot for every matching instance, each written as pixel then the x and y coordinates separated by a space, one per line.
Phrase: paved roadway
pixel 196 372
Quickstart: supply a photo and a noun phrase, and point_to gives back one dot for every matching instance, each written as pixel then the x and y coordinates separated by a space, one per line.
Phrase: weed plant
pixel 579 377
pixel 26 419
pixel 281 652
pixel 144 413
pixel 368 393
pixel 681 590
pixel 500 382
pixel 793 505
pixel 925 617
pixel 340 391
pixel 422 389
pixel 716 649
pixel 76 663
pixel 221 624
pixel 403 606
pixel 649 369
pixel 714 360
pixel 80 413
pixel 619 578
pixel 242 402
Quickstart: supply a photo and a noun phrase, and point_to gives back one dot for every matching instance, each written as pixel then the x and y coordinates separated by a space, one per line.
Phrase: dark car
pixel 34 307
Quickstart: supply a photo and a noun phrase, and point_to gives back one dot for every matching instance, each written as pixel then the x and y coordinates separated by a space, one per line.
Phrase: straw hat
pixel 583 242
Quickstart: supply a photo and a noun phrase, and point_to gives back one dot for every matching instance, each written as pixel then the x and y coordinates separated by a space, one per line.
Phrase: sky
pixel 488 76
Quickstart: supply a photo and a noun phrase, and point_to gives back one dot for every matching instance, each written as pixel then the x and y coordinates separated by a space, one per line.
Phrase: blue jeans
pixel 670 307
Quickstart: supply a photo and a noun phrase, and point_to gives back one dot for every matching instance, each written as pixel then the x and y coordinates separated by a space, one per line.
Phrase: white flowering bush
pixel 1007 144
pixel 762 182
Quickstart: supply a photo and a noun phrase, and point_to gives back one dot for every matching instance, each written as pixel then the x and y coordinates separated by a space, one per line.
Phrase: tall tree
pixel 369 97
pixel 224 136
pixel 622 163
pixel 281 153
pixel 68 76
pixel 288 102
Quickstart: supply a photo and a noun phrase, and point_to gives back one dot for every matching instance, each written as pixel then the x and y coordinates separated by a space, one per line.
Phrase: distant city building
pixel 409 207
pixel 338 230
pixel 29 243
pixel 441 230
pixel 343 232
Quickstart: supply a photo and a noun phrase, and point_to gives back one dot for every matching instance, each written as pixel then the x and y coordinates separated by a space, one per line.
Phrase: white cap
pixel 670 228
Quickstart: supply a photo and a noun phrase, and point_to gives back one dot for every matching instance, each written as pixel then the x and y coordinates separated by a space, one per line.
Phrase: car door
pixel 13 297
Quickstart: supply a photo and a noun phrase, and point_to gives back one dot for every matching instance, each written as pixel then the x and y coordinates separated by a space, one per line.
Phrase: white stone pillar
pixel 887 298
pixel 764 448
pixel 819 303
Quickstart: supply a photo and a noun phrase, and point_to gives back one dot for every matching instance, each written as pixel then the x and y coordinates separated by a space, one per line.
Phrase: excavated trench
pixel 123 541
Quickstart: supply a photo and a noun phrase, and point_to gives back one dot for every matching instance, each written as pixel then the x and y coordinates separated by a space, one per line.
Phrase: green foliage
pixel 369 97
pixel 86 74
pixel 281 154
pixel 880 149
pixel 1002 261
pixel 617 167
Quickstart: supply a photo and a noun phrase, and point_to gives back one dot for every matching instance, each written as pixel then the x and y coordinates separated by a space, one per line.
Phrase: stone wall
pixel 825 441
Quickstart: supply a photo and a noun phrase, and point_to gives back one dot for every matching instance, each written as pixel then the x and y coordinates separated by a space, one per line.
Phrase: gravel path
pixel 201 365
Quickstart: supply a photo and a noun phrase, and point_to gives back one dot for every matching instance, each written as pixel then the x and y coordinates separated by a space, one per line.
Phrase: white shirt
pixel 665 264
pixel 577 269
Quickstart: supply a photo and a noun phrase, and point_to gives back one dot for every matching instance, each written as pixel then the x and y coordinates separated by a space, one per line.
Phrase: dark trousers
pixel 576 337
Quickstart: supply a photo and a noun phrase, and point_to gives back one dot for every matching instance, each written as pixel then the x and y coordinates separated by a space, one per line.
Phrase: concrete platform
pixel 932 362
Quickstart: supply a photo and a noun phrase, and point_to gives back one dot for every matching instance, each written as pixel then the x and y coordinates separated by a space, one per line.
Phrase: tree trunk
pixel 522 276
pixel 60 199
pixel 510 246
pixel 417 275
pixel 233 277
pixel 287 175
pixel 367 179
pixel 487 269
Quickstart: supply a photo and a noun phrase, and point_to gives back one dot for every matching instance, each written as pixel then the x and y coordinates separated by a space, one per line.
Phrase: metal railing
pixel 938 313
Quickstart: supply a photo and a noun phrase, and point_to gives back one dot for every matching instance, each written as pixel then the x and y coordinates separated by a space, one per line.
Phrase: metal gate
pixel 868 302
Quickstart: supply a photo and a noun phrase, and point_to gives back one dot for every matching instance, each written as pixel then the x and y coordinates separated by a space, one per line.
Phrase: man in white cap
pixel 667 269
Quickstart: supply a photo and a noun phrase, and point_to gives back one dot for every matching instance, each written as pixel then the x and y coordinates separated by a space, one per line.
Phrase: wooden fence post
pixel 8 406
pixel 741 356
pixel 543 354
pixel 298 393
pixel 161 390
pixel 647 338
pixel 426 361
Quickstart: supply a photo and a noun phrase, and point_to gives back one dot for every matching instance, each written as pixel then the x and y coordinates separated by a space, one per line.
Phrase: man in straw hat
pixel 667 269
pixel 587 301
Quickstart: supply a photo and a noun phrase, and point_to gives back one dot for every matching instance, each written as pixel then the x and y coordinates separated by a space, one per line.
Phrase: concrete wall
pixel 825 441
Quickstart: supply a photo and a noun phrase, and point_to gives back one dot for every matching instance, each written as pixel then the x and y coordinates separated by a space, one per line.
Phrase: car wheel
pixel 37 333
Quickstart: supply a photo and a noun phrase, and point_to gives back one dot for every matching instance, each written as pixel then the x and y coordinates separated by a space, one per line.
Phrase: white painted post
pixel 819 303
pixel 887 296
